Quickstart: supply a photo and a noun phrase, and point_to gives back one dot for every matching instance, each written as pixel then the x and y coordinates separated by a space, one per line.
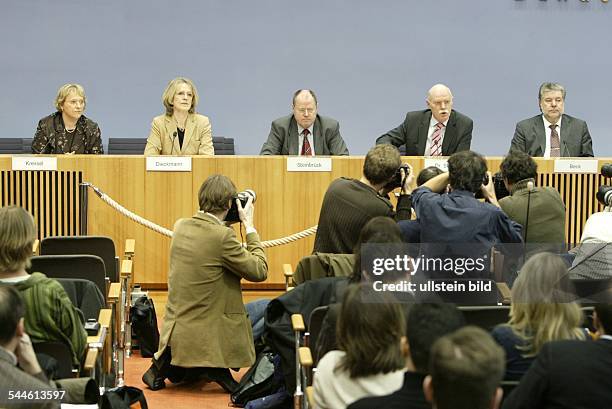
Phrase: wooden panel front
pixel 287 202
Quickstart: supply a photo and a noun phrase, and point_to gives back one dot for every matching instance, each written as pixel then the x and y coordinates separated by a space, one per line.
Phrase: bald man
pixel 304 132
pixel 437 131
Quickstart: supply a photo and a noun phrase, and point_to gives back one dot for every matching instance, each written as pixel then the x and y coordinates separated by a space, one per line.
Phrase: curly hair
pixel 466 171
pixel 518 166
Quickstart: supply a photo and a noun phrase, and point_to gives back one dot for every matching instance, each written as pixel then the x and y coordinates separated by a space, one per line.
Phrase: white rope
pixel 166 232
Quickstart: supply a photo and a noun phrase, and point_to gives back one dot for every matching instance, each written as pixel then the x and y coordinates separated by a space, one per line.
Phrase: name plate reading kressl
pixel 576 166
pixel 308 164
pixel 441 164
pixel 34 163
pixel 168 163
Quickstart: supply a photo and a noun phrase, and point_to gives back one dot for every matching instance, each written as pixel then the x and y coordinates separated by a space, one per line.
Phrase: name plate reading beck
pixel 308 164
pixel 168 163
pixel 34 163
pixel 441 164
pixel 576 166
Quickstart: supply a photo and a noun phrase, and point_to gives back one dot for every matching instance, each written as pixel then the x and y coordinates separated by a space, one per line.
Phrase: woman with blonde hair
pixel 543 309
pixel 67 130
pixel 180 131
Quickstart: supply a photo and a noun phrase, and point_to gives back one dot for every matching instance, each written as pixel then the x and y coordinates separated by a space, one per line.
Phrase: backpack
pixel 144 326
pixel 123 397
pixel 261 380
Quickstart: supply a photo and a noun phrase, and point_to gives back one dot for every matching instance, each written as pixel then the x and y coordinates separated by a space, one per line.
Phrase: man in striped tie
pixel 437 131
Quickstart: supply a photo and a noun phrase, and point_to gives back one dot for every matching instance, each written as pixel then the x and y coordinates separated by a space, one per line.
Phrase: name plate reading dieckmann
pixel 441 164
pixel 169 164
pixel 34 163
pixel 576 166
pixel 308 164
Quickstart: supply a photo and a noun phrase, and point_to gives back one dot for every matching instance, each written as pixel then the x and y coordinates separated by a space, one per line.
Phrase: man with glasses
pixel 304 132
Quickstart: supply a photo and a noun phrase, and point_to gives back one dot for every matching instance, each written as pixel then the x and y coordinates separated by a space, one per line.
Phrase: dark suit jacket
pixel 283 138
pixel 530 137
pixel 413 133
pixel 567 374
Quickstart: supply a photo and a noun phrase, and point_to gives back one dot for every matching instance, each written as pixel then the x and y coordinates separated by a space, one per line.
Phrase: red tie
pixel 436 148
pixel 306 150
pixel 554 142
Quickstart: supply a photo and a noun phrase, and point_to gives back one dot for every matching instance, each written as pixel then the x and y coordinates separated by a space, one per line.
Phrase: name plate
pixel 441 164
pixel 308 164
pixel 34 163
pixel 168 163
pixel 576 166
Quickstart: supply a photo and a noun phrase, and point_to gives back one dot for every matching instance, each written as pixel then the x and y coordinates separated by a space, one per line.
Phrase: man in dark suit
pixel 552 134
pixel 436 131
pixel 304 132
pixel 570 374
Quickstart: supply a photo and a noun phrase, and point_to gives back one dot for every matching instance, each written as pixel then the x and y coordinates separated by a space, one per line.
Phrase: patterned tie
pixel 555 150
pixel 436 146
pixel 306 150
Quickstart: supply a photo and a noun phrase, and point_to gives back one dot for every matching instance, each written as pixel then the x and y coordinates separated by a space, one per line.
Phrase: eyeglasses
pixel 306 110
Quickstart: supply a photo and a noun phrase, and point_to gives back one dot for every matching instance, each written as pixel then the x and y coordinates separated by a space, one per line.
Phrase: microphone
pixel 173 139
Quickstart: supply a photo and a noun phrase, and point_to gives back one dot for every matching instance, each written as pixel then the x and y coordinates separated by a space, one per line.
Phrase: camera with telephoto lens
pixel 604 195
pixel 232 214
pixel 396 180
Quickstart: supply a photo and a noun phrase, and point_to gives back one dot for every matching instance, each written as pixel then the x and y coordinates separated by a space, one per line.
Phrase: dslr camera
pixel 604 194
pixel 396 181
pixel 232 214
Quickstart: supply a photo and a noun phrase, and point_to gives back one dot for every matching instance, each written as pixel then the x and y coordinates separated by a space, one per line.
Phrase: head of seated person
pixel 466 171
pixel 466 368
pixel 518 167
pixel 12 311
pixel 17 235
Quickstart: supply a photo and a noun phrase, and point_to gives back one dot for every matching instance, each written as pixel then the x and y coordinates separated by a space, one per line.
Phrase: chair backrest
pixel 223 146
pixel 11 145
pixel 100 246
pixel 321 265
pixel 486 317
pixel 315 323
pixel 26 145
pixel 126 146
pixel 85 295
pixel 60 352
pixel 82 266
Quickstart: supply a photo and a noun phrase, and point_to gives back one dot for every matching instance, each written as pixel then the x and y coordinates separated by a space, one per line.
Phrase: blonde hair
pixel 65 90
pixel 170 92
pixel 17 235
pixel 542 307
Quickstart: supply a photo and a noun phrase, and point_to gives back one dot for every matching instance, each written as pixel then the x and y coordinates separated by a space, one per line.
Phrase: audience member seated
pixel 570 374
pixel 205 325
pixel 546 208
pixel 304 132
pixel 426 323
pixel 541 311
pixel 67 130
pixel 50 315
pixel 180 131
pixel 348 204
pixel 466 368
pixel 371 332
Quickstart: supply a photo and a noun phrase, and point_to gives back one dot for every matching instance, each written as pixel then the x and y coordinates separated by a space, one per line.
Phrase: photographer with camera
pixel 540 210
pixel 206 329
pixel 350 203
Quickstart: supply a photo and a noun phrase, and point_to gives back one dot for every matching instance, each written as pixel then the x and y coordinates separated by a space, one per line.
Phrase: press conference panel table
pixel 287 202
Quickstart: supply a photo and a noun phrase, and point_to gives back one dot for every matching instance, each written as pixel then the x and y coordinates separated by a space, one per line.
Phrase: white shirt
pixel 432 128
pixel 301 139
pixel 548 132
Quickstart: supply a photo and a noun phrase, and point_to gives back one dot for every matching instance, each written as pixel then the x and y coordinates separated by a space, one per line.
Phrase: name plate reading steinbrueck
pixel 169 164
pixel 441 164
pixel 34 163
pixel 576 166
pixel 308 164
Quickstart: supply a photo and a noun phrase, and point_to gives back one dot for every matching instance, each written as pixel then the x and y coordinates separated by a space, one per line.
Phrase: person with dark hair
pixel 465 370
pixel 552 134
pixel 304 132
pixel 349 204
pixel 370 334
pixel 426 322
pixel 438 130
pixel 205 325
pixel 546 209
pixel 570 374
pixel 427 173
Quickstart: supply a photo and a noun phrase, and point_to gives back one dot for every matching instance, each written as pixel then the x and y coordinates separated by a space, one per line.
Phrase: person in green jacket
pixel 50 315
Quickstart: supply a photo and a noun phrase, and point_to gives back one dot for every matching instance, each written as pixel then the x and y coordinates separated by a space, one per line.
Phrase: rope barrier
pixel 166 232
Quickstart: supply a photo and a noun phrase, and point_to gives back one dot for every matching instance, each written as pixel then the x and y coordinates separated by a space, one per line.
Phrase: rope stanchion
pixel 166 232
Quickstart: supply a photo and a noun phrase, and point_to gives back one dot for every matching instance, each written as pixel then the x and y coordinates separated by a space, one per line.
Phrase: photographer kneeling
pixel 206 328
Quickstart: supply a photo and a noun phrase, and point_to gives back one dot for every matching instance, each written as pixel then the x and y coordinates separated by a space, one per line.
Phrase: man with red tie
pixel 437 131
pixel 304 132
